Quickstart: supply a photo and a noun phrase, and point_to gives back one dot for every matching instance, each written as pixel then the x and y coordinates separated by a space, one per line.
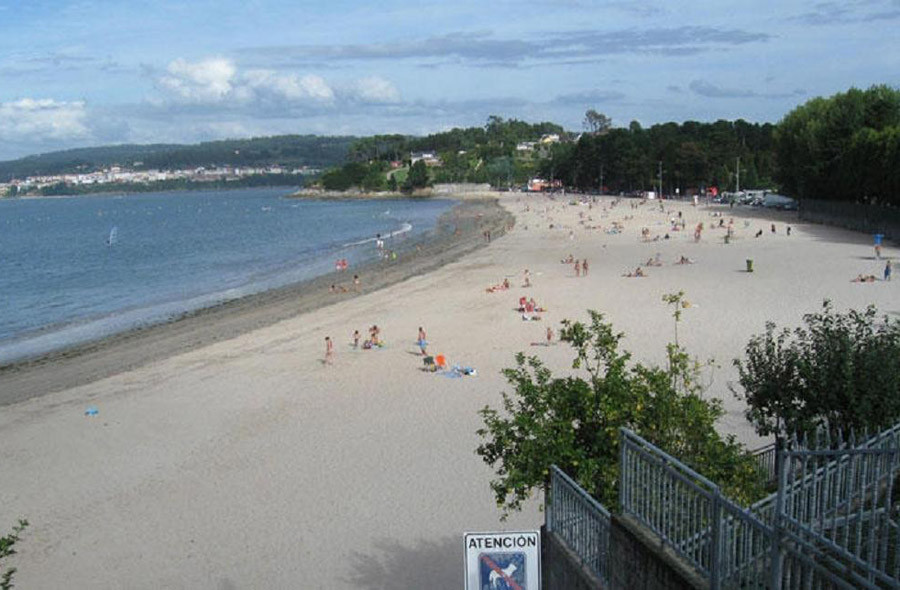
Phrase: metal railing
pixel 765 458
pixel 799 476
pixel 579 521
pixel 831 525
pixel 838 505
pixel 671 499
pixel 828 526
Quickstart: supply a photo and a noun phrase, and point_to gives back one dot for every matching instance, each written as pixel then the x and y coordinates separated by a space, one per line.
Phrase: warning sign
pixel 503 561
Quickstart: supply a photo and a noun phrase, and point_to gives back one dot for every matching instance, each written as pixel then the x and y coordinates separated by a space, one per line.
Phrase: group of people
pixel 335 288
pixel 528 308
pixel 888 270
pixel 373 341
pixel 580 264
pixel 581 267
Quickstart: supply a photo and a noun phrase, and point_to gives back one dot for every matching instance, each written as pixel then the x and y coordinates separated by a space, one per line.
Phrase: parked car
pixel 782 202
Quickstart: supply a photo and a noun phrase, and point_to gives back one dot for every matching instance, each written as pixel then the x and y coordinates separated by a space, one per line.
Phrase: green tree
pixel 574 421
pixel 7 544
pixel 418 176
pixel 501 171
pixel 597 123
pixel 833 148
pixel 840 371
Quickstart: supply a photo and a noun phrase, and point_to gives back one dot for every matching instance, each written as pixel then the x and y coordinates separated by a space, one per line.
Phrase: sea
pixel 77 269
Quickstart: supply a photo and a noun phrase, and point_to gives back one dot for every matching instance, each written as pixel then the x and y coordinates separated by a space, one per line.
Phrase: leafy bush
pixel 574 421
pixel 6 550
pixel 841 371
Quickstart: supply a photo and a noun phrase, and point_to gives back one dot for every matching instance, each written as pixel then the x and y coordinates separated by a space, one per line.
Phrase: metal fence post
pixel 548 512
pixel 622 469
pixel 778 521
pixel 715 542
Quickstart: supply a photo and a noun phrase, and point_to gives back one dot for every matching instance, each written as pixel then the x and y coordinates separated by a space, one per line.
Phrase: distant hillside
pixel 285 150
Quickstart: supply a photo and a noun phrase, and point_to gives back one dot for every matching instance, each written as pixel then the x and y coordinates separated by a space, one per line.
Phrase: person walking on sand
pixel 887 270
pixel 527 279
pixel 329 350
pixel 549 335
pixel 355 338
pixel 584 267
pixel 422 342
pixel 577 268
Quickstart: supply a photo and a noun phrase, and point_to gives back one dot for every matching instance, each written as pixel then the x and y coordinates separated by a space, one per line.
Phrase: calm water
pixel 78 268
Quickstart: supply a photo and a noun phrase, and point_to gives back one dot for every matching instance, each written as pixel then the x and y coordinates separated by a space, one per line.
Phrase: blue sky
pixel 94 72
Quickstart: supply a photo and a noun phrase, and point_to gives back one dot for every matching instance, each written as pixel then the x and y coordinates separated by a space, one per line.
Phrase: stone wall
pixel 870 219
pixel 561 569
pixel 461 188
pixel 639 561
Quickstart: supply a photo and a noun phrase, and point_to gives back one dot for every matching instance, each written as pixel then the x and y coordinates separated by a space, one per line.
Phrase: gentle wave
pixel 404 228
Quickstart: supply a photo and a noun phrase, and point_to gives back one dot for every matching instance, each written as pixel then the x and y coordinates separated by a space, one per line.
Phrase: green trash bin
pixel 749 265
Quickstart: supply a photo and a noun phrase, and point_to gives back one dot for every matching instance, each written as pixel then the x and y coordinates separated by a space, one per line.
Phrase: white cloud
pixel 218 81
pixel 375 89
pixel 42 119
pixel 289 87
pixel 210 80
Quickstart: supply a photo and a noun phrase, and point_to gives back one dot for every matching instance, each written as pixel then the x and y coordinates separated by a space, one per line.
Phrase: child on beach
pixel 887 270
pixel 422 342
pixel 355 338
pixel 329 350
pixel 549 335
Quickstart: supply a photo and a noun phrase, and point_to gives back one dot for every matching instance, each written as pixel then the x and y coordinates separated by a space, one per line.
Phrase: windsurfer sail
pixel 113 235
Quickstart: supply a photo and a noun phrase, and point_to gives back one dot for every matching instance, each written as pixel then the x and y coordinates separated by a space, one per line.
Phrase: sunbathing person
pixel 498 287
pixel 655 261
pixel 864 279
pixel 638 272
pixel 684 260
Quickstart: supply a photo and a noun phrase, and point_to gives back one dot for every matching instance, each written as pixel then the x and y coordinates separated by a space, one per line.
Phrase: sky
pixel 97 72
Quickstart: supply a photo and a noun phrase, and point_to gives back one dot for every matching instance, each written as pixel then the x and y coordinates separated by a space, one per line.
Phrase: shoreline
pixel 456 233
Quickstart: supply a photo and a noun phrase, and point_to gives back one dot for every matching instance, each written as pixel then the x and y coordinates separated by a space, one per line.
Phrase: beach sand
pixel 237 459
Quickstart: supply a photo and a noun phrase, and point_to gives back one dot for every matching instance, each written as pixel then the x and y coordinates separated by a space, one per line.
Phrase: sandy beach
pixel 226 454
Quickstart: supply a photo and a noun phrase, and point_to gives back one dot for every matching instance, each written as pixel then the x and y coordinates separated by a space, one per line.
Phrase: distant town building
pixel 430 158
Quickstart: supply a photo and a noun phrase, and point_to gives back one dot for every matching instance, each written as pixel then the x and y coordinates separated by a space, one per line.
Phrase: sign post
pixel 503 561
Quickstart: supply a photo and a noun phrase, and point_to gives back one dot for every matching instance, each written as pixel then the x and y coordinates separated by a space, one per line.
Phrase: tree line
pixel 686 156
pixel 691 155
pixel 845 147
pixel 475 154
